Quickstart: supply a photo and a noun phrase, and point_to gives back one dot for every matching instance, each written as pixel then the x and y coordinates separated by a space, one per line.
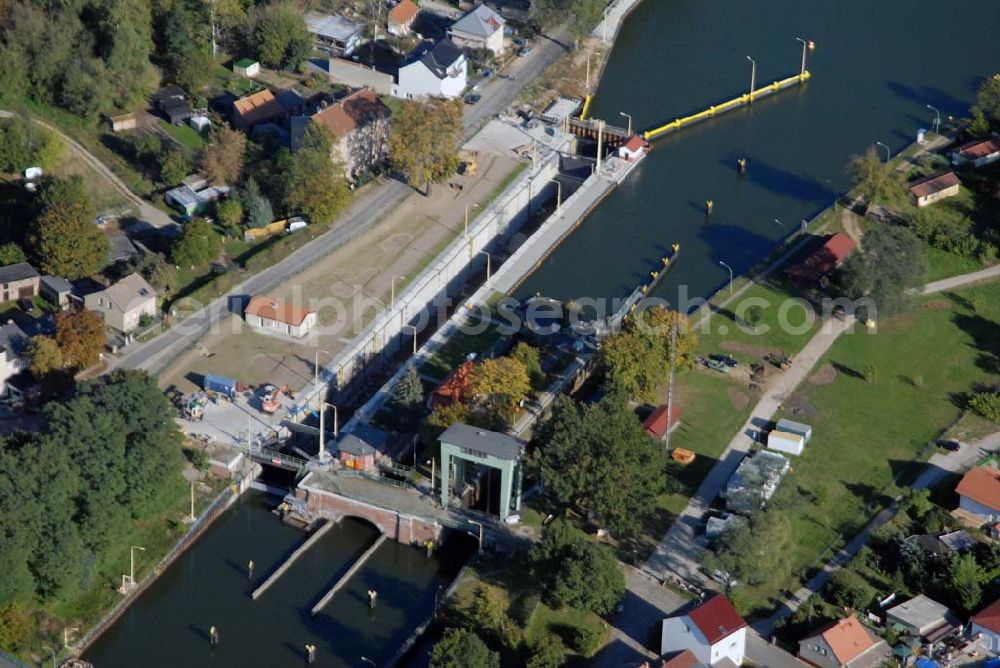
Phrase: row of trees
pixel 24 144
pixel 108 457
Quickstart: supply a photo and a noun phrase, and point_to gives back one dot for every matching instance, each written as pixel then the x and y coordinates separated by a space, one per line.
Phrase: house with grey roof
pixel 481 28
pixel 13 355
pixel 57 290
pixel 18 281
pixel 333 33
pixel 478 457
pixel 123 304
pixel 441 71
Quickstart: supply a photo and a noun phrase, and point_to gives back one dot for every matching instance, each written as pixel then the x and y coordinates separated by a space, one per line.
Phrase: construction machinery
pixel 467 164
pixel 193 406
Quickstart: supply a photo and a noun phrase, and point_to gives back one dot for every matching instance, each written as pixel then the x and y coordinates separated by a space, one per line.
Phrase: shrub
pixel 986 404
pixel 586 641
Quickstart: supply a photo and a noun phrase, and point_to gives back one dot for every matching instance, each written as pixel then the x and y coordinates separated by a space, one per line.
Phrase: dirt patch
pixel 936 305
pixel 738 398
pixel 748 349
pixel 396 243
pixel 826 375
pixel 797 406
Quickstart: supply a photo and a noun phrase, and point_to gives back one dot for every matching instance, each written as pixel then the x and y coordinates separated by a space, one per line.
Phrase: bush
pixel 986 404
pixel 198 459
pixel 586 641
pixel 523 608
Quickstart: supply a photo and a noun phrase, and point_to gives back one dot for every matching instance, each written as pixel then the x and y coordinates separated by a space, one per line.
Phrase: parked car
pixel 716 365
pixel 949 444
pixel 524 52
pixel 728 360
pixel 26 305
pixel 473 98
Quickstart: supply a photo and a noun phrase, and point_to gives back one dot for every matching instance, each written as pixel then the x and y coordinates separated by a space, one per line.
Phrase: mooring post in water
pixel 250 570
pixel 213 636
pixel 741 165
pixel 709 205
pixel 372 595
pixel 310 653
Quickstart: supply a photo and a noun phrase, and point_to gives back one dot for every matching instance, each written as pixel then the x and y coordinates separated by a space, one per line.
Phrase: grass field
pixel 869 437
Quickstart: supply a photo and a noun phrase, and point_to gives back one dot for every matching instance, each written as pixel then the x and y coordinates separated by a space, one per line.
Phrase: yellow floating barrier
pixel 586 107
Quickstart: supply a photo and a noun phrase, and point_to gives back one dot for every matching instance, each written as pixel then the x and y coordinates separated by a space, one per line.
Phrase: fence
pixel 216 508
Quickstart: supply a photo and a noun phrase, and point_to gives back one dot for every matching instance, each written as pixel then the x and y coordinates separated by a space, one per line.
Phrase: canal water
pixel 208 585
pixel 875 68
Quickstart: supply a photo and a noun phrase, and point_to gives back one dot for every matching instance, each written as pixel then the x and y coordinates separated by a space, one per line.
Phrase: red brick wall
pixel 402 528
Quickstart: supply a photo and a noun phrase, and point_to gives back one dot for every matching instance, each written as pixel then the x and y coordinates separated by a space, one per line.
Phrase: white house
pixel 14 345
pixel 123 304
pixel 482 28
pixel 278 316
pixel 401 17
pixel 634 149
pixel 441 72
pixel 987 622
pixel 714 632
pixel 334 33
pixel 979 493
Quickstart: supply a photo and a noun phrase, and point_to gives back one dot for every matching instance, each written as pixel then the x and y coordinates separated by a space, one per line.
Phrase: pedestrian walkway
pixel 679 552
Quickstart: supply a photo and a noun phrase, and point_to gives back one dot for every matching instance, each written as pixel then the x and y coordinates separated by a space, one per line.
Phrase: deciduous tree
pixel 498 385
pixel 222 159
pixel 174 167
pixel 63 238
pixel 197 245
pixel 423 141
pixel 80 337
pixel 877 182
pixel 889 263
pixel 280 36
pixel 461 648
pixel 575 571
pixel 316 185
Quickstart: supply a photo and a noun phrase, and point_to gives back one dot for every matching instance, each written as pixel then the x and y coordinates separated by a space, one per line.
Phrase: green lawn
pixel 941 264
pixel 868 437
pixel 458 347
pixel 185 135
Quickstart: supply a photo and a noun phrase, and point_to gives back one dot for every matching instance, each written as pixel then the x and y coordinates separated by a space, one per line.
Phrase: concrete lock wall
pixel 402 528
pixel 392 330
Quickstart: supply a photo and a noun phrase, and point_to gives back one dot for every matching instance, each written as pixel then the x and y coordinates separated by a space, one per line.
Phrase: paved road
pixel 145 212
pixel 154 355
pixel 680 550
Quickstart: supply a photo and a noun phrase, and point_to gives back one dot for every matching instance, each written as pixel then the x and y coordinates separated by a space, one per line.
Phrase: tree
pixel 423 141
pixel 442 418
pixel 754 316
pixel 229 213
pixel 489 610
pixel 11 253
pixel 280 36
pixel 498 386
pixel 877 182
pixel 889 263
pixel 575 571
pixel 45 356
pixel 157 271
pixel 988 99
pixel 80 337
pixel 407 399
pixel 986 404
pixel 256 209
pixel 871 373
pixel 597 459
pixel 531 359
pixel 63 238
pixel 316 186
pixel 965 581
pixel 222 159
pixel 461 648
pixel 16 625
pixel 849 590
pixel 24 145
pixel 547 652
pixel 197 245
pixel 174 167
pixel 754 551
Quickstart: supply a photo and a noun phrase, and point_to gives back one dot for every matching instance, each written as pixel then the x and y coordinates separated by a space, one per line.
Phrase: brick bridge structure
pixel 403 527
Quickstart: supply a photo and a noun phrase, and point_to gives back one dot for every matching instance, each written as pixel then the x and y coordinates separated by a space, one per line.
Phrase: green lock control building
pixel 463 444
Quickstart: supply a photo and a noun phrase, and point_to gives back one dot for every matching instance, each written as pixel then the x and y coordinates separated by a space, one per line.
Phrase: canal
pixel 875 68
pixel 208 585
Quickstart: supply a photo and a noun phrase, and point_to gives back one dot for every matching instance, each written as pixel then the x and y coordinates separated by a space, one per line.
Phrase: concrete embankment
pixel 348 575
pixel 302 549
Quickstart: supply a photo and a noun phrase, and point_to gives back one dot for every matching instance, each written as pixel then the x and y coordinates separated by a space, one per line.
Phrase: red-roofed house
pixel 933 188
pixel 844 644
pixel 401 18
pixel 829 256
pixel 714 632
pixel 987 622
pixel 359 123
pixel 979 493
pixel 977 152
pixel 279 316
pixel 634 149
pixel 656 424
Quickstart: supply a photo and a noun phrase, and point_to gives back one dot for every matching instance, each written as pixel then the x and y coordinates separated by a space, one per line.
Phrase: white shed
pixel 803 430
pixel 783 441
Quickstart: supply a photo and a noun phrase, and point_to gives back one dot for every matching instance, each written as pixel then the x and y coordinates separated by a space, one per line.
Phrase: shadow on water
pixel 785 183
pixel 928 95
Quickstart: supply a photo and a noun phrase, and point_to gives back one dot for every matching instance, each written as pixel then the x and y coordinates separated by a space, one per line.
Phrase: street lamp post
pixel 753 75
pixel 888 151
pixel 392 290
pixel 480 525
pixel 466 221
pixel 322 427
pixel 489 260
pixel 316 365
pixel 937 118
pixel 558 196
pixel 192 501
pixel 629 117
pixel 802 70
pixel 730 275
pixel 414 336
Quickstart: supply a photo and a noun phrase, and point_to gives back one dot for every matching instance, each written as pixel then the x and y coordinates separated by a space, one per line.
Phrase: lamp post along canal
pixel 753 76
pixel 730 290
